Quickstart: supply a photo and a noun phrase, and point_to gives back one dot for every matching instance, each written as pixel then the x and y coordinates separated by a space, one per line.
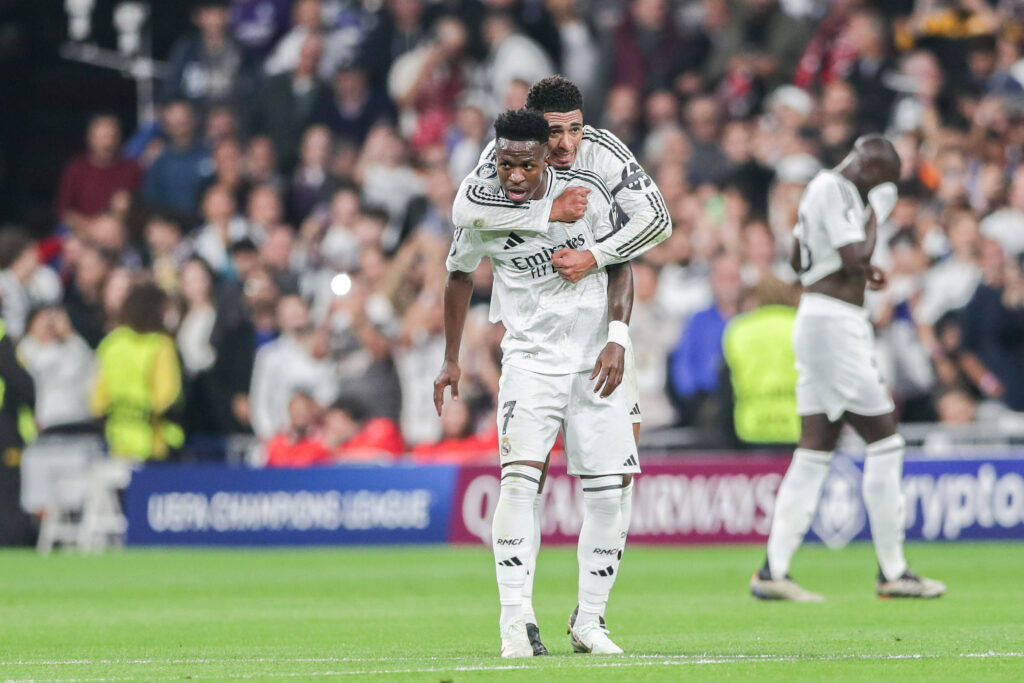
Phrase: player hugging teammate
pixel 557 207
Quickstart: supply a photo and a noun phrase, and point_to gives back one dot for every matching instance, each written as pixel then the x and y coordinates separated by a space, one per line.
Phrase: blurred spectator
pixel 956 407
pixel 261 163
pixel 467 141
pixel 139 406
pixel 216 348
pixel 285 104
pixel 993 327
pixel 426 82
pixel 301 444
pixel 351 108
pixel 310 182
pixel 352 436
pixel 647 49
pixel 707 162
pixel 228 171
pixel 758 352
pixel 760 42
pixel 460 443
pixel 307 22
pixel 580 54
pixel 90 180
pixel 165 250
pixel 204 67
pixel 401 26
pixel 222 228
pixel 61 365
pixel 257 26
pixel 511 56
pixel 297 359
pixel 24 282
pixel 173 180
pixel 696 362
pixel 83 299
pixel 654 334
pixel 1006 225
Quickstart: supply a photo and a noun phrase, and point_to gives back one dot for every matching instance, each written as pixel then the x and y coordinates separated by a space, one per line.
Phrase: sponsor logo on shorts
pixel 606 551
pixel 511 541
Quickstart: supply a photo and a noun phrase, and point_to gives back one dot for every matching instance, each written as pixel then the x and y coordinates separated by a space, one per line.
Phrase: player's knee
pixel 519 478
pixel 603 494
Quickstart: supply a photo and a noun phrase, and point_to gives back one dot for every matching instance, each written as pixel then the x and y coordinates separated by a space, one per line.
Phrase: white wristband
pixel 618 332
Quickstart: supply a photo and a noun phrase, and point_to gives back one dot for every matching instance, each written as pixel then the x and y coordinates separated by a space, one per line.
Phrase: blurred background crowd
pixel 267 253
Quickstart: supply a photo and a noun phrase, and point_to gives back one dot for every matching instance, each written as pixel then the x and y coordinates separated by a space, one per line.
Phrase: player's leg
pixel 794 509
pixel 882 488
pixel 530 409
pixel 601 450
pixel 532 630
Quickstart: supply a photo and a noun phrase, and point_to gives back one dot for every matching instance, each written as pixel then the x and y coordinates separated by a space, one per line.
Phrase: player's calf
pixel 512 539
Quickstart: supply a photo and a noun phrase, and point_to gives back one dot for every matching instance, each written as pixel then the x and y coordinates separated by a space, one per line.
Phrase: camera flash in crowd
pixel 341 284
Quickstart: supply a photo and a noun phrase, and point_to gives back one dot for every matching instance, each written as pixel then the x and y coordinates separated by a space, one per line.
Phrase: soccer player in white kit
pixel 554 330
pixel 638 209
pixel 838 379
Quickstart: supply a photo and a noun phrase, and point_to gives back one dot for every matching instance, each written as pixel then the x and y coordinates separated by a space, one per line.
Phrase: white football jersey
pixel 638 217
pixel 831 215
pixel 552 326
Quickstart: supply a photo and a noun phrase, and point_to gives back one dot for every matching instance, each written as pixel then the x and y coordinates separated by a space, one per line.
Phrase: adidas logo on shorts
pixel 607 571
pixel 514 562
pixel 513 241
pixel 630 462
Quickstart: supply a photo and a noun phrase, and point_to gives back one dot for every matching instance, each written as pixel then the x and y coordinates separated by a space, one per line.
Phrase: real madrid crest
pixel 506 447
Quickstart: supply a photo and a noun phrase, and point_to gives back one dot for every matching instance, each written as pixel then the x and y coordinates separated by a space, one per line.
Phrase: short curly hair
pixel 554 93
pixel 522 124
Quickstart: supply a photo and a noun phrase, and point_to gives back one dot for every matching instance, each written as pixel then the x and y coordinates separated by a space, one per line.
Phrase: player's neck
pixel 846 170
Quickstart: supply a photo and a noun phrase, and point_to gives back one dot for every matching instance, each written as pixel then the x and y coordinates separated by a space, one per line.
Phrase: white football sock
pixel 599 546
pixel 795 506
pixel 531 567
pixel 626 507
pixel 512 536
pixel 883 497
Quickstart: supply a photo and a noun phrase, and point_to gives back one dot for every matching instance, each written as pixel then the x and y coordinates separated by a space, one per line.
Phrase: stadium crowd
pixel 285 220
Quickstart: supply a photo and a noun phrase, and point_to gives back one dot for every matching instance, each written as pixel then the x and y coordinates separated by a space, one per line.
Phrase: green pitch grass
pixel 430 614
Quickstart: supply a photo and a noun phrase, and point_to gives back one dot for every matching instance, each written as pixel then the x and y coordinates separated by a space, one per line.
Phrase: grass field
pixel 430 614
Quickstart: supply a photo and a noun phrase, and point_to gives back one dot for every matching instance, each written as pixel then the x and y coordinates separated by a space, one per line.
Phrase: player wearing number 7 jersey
pixel 554 330
pixel 637 220
pixel 838 380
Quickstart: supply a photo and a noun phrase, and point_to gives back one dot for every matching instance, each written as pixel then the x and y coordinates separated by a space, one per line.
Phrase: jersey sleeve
pixel 841 215
pixel 466 253
pixel 481 204
pixel 639 216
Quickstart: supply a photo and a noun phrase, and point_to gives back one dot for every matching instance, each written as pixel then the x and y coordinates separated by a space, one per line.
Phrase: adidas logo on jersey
pixel 630 461
pixel 513 241
pixel 636 409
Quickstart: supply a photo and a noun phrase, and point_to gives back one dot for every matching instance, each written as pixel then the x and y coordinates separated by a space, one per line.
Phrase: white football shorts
pixel 834 344
pixel 598 432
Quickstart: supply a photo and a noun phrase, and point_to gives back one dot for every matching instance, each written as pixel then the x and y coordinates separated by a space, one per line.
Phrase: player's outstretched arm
pixel 457 292
pixel 611 364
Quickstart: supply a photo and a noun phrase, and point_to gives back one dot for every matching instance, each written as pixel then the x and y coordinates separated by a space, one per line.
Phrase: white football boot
pixel 514 641
pixel 592 638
